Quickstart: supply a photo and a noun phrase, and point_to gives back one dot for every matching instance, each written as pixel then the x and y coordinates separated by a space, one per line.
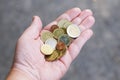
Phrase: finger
pixel 75 47
pixel 69 15
pixel 87 23
pixel 82 16
pixel 77 44
pixel 34 29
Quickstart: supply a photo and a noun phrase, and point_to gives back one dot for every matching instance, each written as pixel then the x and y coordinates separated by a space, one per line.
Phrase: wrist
pixel 16 74
pixel 30 72
pixel 24 65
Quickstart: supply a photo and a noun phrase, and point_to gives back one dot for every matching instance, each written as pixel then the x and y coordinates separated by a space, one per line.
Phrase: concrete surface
pixel 99 58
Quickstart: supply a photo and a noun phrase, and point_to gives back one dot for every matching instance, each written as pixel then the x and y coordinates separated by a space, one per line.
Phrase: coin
pixel 57 32
pixel 58 38
pixel 62 22
pixel 52 42
pixel 67 24
pixel 53 27
pixel 65 32
pixel 73 31
pixel 53 56
pixel 45 35
pixel 60 46
pixel 46 49
pixel 61 53
pixel 65 39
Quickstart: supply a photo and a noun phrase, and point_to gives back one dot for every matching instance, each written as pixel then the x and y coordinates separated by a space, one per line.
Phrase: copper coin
pixel 61 53
pixel 60 46
pixel 53 27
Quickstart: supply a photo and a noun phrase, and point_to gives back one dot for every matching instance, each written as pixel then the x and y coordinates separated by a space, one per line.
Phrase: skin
pixel 29 62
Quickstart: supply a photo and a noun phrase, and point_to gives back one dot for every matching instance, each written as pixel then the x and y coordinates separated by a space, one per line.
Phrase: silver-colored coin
pixel 73 31
pixel 52 42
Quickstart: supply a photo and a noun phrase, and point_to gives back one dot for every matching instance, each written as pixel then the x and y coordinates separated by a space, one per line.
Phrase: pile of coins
pixel 58 38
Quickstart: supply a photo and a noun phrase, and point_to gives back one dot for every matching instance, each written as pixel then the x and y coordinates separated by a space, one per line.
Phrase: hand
pixel 30 62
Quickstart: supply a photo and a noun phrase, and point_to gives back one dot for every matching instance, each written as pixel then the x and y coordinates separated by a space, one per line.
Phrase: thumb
pixel 34 29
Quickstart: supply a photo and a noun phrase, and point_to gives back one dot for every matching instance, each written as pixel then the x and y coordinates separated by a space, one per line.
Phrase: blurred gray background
pixel 99 58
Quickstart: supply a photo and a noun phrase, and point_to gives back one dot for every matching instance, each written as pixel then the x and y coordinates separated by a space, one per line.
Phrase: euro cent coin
pixel 73 31
pixel 53 56
pixel 46 49
pixel 61 53
pixel 53 27
pixel 52 42
pixel 57 32
pixel 60 46
pixel 62 22
pixel 46 35
pixel 67 24
pixel 65 39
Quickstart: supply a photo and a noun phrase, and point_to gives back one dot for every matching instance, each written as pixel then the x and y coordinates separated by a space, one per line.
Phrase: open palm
pixel 30 60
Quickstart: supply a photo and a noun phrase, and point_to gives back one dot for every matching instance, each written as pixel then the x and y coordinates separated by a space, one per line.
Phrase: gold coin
pixel 73 31
pixel 61 53
pixel 57 32
pixel 65 32
pixel 62 22
pixel 53 27
pixel 67 24
pixel 65 39
pixel 60 46
pixel 45 35
pixel 46 49
pixel 52 57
